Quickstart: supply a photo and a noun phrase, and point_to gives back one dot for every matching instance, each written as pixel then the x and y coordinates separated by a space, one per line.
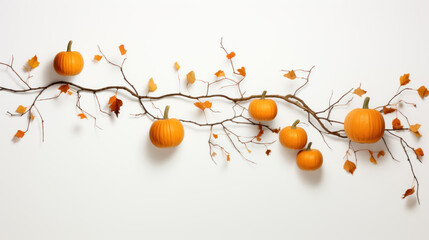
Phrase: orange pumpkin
pixel 263 109
pixel 293 137
pixel 364 125
pixel 166 132
pixel 68 63
pixel 309 159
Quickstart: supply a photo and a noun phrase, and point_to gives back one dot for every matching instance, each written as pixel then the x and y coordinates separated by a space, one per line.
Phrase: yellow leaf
pixel 220 73
pixel 228 158
pixel 423 92
pixel 242 71
pixel 31 116
pixel 408 192
pixel 371 158
pixel 359 91
pixel 98 57
pixel 404 79
pixel 291 75
pixel 122 49
pixel 415 129
pixel 33 63
pixel 350 167
pixel 69 92
pixel 191 77
pixel 152 85
pixel 21 109
pixel 177 66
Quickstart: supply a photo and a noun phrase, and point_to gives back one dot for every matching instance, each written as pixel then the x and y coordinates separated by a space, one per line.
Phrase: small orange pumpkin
pixel 309 159
pixel 364 125
pixel 263 109
pixel 166 132
pixel 68 63
pixel 293 137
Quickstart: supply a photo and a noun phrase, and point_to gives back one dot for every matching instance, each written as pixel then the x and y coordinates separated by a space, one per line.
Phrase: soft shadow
pixel 289 155
pixel 312 178
pixel 15 139
pixel 50 76
pixel 411 202
pixel 158 156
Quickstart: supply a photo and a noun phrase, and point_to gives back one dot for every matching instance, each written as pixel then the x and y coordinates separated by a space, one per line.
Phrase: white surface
pixel 84 183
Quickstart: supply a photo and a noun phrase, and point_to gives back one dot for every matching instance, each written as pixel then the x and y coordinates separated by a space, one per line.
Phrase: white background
pixel 86 183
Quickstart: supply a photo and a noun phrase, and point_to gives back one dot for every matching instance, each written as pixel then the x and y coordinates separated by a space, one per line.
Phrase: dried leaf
pixel 419 152
pixel 230 55
pixel 409 192
pixel 220 73
pixel 152 85
pixel 177 66
pixel 242 71
pixel 122 49
pixel 228 158
pixel 396 124
pixel 33 63
pixel 215 136
pixel 191 77
pixel 69 92
pixel 208 104
pixel 115 104
pixel 82 116
pixel 98 58
pixel 350 167
pixel 404 79
pixel 268 152
pixel 423 92
pixel 380 154
pixel 359 91
pixel 387 110
pixel 214 154
pixel 203 105
pixel 415 129
pixel 64 88
pixel 260 133
pixel 371 158
pixel 291 75
pixel 19 134
pixel 21 109
pixel 31 116
pixel 276 130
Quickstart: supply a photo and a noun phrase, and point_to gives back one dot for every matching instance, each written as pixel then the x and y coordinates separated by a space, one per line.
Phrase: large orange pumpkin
pixel 293 137
pixel 263 109
pixel 165 133
pixel 68 63
pixel 309 159
pixel 364 125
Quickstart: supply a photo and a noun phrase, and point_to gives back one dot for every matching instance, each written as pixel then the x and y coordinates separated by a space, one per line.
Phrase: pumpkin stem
pixel 365 103
pixel 295 123
pixel 166 111
pixel 263 94
pixel 69 46
pixel 309 146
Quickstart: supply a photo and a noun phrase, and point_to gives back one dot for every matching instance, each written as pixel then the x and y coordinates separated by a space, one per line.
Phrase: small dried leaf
pixel 214 154
pixel 359 91
pixel 33 63
pixel 220 73
pixel 415 129
pixel 122 49
pixel 261 131
pixel 276 130
pixel 21 109
pixel 19 134
pixel 82 116
pixel 396 124
pixel 191 77
pixel 350 167
pixel 69 92
pixel 423 92
pixel 242 71
pixel 268 152
pixel 98 58
pixel 31 116
pixel 228 158
pixel 230 55
pixel 208 104
pixel 409 192
pixel 203 105
pixel 215 136
pixel 404 79
pixel 380 154
pixel 115 104
pixel 371 158
pixel 152 85
pixel 291 75
pixel 64 88
pixel 419 152
pixel 177 66
pixel 387 110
